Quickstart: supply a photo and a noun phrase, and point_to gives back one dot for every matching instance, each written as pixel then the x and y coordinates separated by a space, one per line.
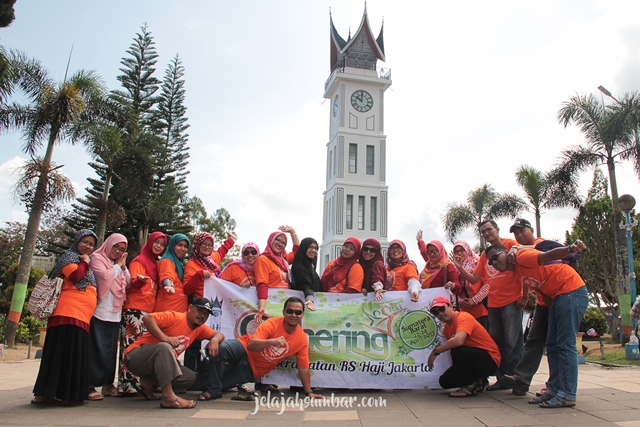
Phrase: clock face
pixel 361 101
pixel 336 106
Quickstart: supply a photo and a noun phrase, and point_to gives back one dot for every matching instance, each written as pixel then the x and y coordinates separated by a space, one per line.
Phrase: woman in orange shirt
pixel 402 273
pixel 241 271
pixel 141 298
pixel 62 377
pixel 272 266
pixel 471 297
pixel 172 297
pixel 344 274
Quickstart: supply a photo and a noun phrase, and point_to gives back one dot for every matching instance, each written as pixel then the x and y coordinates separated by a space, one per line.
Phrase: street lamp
pixel 627 203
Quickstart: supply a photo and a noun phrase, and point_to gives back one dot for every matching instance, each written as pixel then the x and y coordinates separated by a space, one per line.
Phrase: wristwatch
pixel 437 353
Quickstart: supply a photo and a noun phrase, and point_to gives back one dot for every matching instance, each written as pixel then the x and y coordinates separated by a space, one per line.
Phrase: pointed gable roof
pixel 340 47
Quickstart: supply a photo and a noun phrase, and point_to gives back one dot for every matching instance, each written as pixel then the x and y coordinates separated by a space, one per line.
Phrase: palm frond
pixel 456 218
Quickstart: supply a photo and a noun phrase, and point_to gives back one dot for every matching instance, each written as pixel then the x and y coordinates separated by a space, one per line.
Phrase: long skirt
pixel 103 352
pixel 131 328
pixel 63 368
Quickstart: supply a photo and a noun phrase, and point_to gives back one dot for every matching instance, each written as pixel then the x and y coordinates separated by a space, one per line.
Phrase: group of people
pixel 104 303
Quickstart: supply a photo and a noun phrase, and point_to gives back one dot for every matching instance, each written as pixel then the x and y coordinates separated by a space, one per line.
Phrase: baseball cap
pixel 203 303
pixel 439 302
pixel 520 223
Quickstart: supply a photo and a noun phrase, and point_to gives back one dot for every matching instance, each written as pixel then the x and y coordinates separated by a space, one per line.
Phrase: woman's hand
pixel 419 235
pixel 258 316
pixel 206 274
pixel 122 260
pixel 364 292
pixel 380 294
pixel 414 296
pixel 450 285
pixel 456 260
pixel 310 305
pixel 142 278
pixel 230 235
pixel 287 229
pixel 85 258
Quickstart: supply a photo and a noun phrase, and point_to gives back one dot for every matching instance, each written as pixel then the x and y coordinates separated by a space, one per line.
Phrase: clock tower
pixel 356 195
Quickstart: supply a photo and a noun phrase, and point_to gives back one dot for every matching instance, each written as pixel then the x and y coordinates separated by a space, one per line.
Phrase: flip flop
pixel 211 396
pixel 557 402
pixel 466 391
pixel 176 405
pixel 95 396
pixel 244 396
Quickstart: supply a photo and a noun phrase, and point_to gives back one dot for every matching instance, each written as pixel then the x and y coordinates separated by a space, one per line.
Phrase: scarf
pixel 240 262
pixel 431 269
pixel 340 267
pixel 71 256
pixel 305 266
pixel 205 261
pixel 170 254
pixel 374 269
pixel 102 266
pixel 147 258
pixel 391 264
pixel 280 259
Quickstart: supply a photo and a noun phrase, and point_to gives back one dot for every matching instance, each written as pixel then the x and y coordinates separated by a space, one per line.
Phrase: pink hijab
pixel 281 259
pixel 102 267
pixel 431 270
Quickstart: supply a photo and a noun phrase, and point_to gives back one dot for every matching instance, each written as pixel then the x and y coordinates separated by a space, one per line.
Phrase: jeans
pixel 564 320
pixel 534 347
pixel 229 369
pixel 505 328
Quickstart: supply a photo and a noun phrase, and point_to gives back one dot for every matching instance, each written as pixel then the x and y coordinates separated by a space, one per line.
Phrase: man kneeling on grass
pixel 254 355
pixel 474 354
pixel 153 357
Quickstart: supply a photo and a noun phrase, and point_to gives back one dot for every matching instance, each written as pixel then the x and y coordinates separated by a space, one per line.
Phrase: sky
pixel 475 94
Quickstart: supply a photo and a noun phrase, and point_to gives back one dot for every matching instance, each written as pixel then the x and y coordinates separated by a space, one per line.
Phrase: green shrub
pixel 596 320
pixel 9 280
pixel 28 328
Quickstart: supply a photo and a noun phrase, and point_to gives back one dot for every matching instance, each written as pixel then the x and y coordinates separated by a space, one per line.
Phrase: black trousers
pixel 469 364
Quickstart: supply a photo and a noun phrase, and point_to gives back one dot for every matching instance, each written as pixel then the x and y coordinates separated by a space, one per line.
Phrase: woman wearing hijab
pixel 375 273
pixel 344 274
pixel 108 263
pixel 203 262
pixel 470 296
pixel 272 266
pixel 172 296
pixel 241 271
pixel 438 266
pixel 141 298
pixel 402 272
pixel 62 377
pixel 303 270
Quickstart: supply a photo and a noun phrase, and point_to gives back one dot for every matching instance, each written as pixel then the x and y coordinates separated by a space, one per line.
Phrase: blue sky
pixel 476 89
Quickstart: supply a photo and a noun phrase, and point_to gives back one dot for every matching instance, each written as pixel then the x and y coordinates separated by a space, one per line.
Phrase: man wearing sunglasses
pixel 252 356
pixel 474 354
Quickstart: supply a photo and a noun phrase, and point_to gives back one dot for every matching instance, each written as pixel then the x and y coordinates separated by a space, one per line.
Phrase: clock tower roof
pixel 360 51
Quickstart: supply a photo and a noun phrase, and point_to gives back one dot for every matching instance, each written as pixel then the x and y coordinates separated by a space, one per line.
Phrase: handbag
pixel 44 297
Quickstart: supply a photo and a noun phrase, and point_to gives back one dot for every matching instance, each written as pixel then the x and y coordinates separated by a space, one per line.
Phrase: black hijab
pixel 303 269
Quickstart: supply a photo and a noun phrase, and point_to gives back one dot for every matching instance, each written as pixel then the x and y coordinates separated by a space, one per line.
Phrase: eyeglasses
pixel 159 244
pixel 118 249
pixel 313 248
pixel 206 245
pixel 487 230
pixel 280 242
pixel 438 310
pixel 249 252
pixel 395 248
pixel 292 311
pixel 433 252
pixel 459 251
pixel 494 258
pixel 369 249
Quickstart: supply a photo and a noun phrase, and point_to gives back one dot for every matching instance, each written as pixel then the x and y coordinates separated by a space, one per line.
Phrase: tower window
pixel 370 159
pixel 373 214
pixel 360 212
pixel 349 212
pixel 353 158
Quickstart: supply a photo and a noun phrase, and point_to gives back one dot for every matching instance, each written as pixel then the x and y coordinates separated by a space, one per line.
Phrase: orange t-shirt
pixel 235 274
pixel 503 287
pixel 551 279
pixel 398 278
pixel 174 324
pixel 355 277
pixel 73 302
pixel 477 310
pixel 477 336
pixel 165 302
pixel 144 297
pixel 266 360
pixel 268 272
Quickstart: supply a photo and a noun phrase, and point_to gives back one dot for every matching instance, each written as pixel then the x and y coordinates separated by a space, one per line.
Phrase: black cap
pixel 203 303
pixel 520 223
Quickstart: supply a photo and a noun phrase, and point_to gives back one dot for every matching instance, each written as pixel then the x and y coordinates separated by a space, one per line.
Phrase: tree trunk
pixel 101 221
pixel 622 270
pixel 26 256
pixel 538 227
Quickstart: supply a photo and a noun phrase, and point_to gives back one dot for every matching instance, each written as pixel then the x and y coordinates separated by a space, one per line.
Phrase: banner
pixel 354 341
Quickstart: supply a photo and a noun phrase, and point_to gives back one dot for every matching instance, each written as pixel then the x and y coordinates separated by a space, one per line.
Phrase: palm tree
pixel 482 203
pixel 610 133
pixel 46 118
pixel 542 194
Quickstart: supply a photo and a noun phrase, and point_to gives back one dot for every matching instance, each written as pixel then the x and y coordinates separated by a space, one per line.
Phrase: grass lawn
pixel 615 353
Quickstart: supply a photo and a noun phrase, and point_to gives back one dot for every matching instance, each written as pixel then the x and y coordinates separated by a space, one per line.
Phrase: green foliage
pixel 28 328
pixel 7 13
pixel 8 283
pixel 596 320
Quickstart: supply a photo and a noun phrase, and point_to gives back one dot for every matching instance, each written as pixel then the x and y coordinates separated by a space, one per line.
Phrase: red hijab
pixel 280 259
pixel 147 258
pixel 340 267
pixel 374 269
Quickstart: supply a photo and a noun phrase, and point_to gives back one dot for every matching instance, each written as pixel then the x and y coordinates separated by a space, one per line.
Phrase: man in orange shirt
pixel 153 356
pixel 474 354
pixel 253 355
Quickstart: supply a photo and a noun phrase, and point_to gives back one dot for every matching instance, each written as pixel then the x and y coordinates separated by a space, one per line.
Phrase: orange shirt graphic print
pixel 275 353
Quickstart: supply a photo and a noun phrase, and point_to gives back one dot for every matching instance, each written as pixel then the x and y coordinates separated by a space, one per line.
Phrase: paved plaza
pixel 606 397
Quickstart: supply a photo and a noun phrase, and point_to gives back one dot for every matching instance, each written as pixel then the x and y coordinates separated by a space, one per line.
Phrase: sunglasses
pixel 438 310
pixel 292 311
pixel 494 258
pixel 368 249
pixel 250 252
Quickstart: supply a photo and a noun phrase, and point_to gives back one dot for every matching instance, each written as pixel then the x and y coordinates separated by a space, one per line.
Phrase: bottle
pixel 633 339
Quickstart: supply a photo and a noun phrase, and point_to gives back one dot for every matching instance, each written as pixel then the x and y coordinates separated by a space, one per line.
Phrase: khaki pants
pixel 157 363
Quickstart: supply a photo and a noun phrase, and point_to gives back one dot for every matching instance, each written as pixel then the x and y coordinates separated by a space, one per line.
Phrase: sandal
pixel 95 396
pixel 466 391
pixel 188 404
pixel 146 396
pixel 496 386
pixel 557 402
pixel 205 396
pixel 244 396
pixel 542 398
pixel 542 391
pixel 266 387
